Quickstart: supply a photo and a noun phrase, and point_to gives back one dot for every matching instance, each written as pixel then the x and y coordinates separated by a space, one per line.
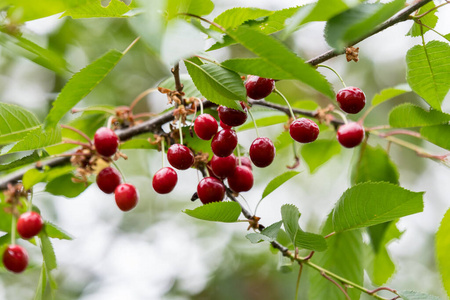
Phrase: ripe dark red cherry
pixel 106 141
pixel 246 162
pixel 258 87
pixel 241 180
pixel 350 135
pixel 180 157
pixel 262 152
pixel 29 224
pixel 231 116
pixel 108 179
pixel 205 126
pixel 224 142
pixel 164 180
pixel 210 190
pixel 224 126
pixel 15 258
pixel 351 99
pixel 304 130
pixel 223 166
pixel 126 196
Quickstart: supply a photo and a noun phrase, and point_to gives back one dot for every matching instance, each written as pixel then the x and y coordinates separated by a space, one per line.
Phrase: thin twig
pixel 336 284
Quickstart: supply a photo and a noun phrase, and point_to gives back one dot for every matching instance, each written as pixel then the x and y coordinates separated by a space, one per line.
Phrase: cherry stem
pixel 277 91
pixel 77 131
pixel 432 29
pixel 162 151
pixel 382 289
pixel 102 109
pixel 13 228
pixel 131 45
pixel 427 12
pixel 109 124
pixel 238 150
pixel 340 114
pixel 207 59
pixel 205 20
pixel 181 131
pixel 254 122
pixel 298 281
pixel 201 106
pixel 330 234
pixel 30 202
pixel 334 71
pixel 141 96
pixel 336 284
pixel 77 143
pixel 401 131
pixel 120 171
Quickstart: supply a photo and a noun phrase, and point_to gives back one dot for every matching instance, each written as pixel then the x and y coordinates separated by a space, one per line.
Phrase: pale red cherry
pixel 350 135
pixel 29 224
pixel 126 196
pixel 15 258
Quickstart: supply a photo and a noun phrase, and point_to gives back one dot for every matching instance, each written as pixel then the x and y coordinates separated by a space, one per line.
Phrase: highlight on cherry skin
pixel 205 126
pixel 126 196
pixel 351 99
pixel 108 179
pixel 262 152
pixel 29 224
pixel 15 258
pixel 164 180
pixel 210 189
pixel 304 130
pixel 180 157
pixel 350 135
pixel 259 87
pixel 106 141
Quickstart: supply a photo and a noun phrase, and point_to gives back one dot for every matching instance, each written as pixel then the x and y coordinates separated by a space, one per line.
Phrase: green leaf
pixel 390 93
pixel 428 73
pixel 194 7
pixel 26 10
pixel 355 23
pixel 18 45
pixel 64 186
pixel 255 238
pixel 216 211
pixel 272 230
pixel 275 61
pixel 277 182
pixel 437 134
pixel 80 85
pixel 430 20
pixel 236 16
pixel 94 9
pixel 305 240
pixel 217 84
pixel 442 250
pixel 36 139
pixel 34 176
pixel 410 115
pixel 47 251
pixel 54 231
pixel 15 123
pixel 189 88
pixel 374 165
pixel 382 267
pixel 317 153
pixel 411 295
pixel 263 122
pixel 372 203
pixel 137 144
pixel 39 295
pixel 12 161
pixel 343 248
pixel 283 140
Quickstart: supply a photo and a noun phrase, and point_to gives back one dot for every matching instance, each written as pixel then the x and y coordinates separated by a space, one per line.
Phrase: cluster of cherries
pixel 106 143
pixel 15 257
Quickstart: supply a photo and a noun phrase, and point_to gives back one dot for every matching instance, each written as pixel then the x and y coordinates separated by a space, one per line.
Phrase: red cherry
pixel 29 224
pixel 205 126
pixel 351 99
pixel 258 87
pixel 223 166
pixel 106 141
pixel 231 116
pixel 164 180
pixel 224 126
pixel 224 142
pixel 304 130
pixel 108 179
pixel 262 152
pixel 126 196
pixel 246 162
pixel 241 180
pixel 210 171
pixel 15 258
pixel 180 157
pixel 350 135
pixel 210 190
